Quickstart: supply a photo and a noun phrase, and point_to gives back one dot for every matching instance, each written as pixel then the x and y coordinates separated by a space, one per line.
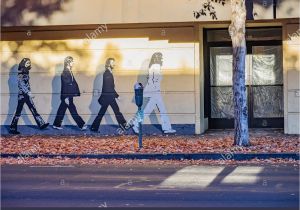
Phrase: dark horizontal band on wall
pixel 140 25
pixel 154 129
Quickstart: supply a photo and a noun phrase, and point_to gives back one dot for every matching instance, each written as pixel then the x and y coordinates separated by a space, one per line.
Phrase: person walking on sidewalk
pixel 108 97
pixel 69 90
pixel 152 91
pixel 25 96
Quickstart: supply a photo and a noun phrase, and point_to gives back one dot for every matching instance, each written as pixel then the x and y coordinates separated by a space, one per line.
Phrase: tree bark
pixel 237 33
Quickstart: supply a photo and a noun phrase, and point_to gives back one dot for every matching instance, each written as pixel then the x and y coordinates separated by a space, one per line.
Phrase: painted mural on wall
pixel 25 96
pixel 72 79
pixel 108 97
pixel 153 92
pixel 69 90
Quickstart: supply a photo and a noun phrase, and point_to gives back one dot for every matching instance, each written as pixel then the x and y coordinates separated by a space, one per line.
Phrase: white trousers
pixel 155 100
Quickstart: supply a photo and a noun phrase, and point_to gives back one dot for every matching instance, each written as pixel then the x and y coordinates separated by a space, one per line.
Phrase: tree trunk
pixel 237 33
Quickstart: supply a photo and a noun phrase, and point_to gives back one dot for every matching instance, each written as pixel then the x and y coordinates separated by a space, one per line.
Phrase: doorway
pixel 264 80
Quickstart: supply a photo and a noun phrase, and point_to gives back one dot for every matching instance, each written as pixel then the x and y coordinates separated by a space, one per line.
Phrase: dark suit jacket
pixel 69 86
pixel 108 89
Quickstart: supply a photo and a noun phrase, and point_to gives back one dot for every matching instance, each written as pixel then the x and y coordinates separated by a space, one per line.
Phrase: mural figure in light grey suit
pixel 25 96
pixel 152 91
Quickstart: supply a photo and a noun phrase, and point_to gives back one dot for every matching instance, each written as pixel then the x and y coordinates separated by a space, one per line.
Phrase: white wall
pixel 291 53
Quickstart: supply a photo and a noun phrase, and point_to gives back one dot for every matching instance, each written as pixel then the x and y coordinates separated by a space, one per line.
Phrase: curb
pixel 173 156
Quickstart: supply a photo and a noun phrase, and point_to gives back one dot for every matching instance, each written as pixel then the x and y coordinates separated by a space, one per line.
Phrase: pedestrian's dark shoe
pixel 14 131
pixel 94 130
pixel 44 126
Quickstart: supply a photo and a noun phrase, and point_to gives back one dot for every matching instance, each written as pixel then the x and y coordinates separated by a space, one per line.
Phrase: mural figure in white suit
pixel 152 91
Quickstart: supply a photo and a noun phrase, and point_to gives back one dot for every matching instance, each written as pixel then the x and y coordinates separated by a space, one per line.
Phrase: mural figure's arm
pixel 66 78
pixel 23 85
pixel 109 80
pixel 155 76
pixel 151 78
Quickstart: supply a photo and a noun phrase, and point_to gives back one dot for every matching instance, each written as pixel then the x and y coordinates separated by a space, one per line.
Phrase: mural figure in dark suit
pixel 108 97
pixel 25 96
pixel 69 90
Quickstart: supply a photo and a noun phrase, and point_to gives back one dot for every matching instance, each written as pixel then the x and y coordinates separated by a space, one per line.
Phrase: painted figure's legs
pixel 38 119
pixel 14 123
pixel 97 121
pixel 147 111
pixel 165 121
pixel 119 116
pixel 60 114
pixel 72 108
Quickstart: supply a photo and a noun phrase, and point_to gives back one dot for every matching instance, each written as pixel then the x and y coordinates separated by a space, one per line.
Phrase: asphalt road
pixel 150 186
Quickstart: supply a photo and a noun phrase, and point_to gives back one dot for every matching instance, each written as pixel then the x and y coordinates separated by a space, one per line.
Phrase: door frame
pixel 218 123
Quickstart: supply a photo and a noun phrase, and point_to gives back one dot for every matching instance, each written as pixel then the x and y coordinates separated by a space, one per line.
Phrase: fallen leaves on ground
pixel 219 142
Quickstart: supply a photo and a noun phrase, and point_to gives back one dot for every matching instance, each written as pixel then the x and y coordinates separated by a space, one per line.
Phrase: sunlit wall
pixel 291 54
pixel 72 12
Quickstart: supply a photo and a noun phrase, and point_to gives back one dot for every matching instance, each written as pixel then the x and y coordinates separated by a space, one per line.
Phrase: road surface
pixel 150 186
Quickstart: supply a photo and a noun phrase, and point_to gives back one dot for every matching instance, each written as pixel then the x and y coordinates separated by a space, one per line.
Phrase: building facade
pixel 195 87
